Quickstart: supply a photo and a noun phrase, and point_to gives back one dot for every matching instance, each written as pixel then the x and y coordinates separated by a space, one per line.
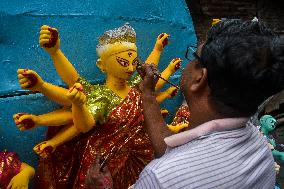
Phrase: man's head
pixel 241 64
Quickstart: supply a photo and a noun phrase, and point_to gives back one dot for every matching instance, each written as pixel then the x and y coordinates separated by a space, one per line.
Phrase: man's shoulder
pixel 203 161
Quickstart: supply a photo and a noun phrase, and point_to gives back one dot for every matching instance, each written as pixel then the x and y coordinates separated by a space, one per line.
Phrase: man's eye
pixel 122 62
pixel 135 61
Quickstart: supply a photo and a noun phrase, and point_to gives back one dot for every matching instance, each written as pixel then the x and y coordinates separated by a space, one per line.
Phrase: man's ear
pixel 199 79
pixel 101 65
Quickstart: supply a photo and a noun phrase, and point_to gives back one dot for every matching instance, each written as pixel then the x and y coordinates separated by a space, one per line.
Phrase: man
pixel 239 66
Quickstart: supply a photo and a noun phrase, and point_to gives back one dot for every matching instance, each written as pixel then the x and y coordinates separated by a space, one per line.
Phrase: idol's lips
pixel 130 73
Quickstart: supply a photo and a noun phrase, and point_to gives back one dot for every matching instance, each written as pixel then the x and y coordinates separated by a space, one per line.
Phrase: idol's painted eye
pixel 123 62
pixel 135 61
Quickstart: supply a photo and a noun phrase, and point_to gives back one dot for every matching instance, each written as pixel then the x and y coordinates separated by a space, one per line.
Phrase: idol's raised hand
pixel 44 149
pixel 76 95
pixel 49 39
pixel 29 79
pixel 160 44
pixel 25 121
pixel 161 41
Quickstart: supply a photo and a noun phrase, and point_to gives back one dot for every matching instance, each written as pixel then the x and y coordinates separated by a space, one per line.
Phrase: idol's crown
pixel 124 33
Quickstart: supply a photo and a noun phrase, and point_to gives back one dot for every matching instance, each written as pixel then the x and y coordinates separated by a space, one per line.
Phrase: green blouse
pixel 101 100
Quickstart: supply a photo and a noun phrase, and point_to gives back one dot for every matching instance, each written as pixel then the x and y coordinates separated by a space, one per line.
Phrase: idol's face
pixel 122 64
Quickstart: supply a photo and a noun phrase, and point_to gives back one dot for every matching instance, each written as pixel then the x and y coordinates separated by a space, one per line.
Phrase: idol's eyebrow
pixel 122 59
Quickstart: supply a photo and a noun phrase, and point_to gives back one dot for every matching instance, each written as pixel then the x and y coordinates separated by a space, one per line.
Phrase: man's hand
pixel 150 78
pixel 98 179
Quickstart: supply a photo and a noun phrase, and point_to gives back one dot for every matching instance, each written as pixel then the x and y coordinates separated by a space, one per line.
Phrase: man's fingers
pixel 96 165
pixel 149 70
pixel 98 157
pixel 105 169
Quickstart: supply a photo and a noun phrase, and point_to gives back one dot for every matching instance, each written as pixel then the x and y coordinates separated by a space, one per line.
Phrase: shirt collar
pixel 204 129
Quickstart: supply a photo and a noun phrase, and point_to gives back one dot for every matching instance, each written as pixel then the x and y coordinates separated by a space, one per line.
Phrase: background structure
pixel 203 11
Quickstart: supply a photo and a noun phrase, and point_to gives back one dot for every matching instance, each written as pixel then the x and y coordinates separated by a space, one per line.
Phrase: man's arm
pixel 153 120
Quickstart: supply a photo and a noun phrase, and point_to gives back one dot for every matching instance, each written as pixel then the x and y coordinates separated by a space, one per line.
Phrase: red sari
pixel 121 137
pixel 10 166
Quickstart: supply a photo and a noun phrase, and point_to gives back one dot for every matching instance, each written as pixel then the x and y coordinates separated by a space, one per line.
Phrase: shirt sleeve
pixel 147 180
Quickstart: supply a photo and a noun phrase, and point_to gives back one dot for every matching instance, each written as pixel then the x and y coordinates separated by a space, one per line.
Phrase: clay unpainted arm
pixel 173 66
pixel 66 134
pixel 55 93
pixel 64 68
pixel 30 80
pixel 55 118
pixel 21 180
pixel 155 55
pixel 50 41
pixel 27 170
pixel 170 92
pixel 26 121
pixel 82 118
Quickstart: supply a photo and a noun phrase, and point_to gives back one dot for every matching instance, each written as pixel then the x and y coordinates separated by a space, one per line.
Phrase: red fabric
pixel 123 132
pixel 10 166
